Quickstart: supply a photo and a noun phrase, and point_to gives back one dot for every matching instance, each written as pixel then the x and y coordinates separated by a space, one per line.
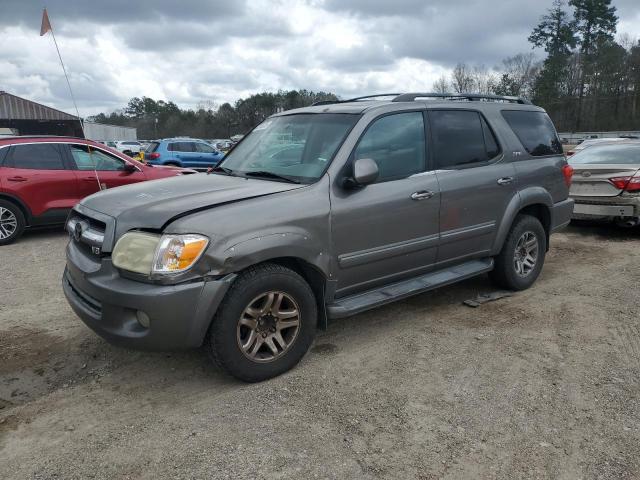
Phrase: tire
pixel 514 269
pixel 12 222
pixel 250 315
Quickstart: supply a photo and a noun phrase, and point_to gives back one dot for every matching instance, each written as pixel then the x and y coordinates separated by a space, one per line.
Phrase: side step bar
pixel 360 302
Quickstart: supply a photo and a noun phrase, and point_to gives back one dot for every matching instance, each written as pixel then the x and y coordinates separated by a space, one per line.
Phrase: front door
pixel 98 170
pixel 475 185
pixel 387 230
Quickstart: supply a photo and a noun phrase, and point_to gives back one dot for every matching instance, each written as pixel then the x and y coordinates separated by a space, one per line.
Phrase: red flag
pixel 46 25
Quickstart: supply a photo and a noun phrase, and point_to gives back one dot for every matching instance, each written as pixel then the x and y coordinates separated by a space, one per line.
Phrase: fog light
pixel 143 318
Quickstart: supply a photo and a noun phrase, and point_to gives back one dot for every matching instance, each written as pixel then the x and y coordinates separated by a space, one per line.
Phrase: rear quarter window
pixel 535 131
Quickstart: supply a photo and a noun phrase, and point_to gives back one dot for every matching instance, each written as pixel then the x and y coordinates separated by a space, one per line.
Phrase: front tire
pixel 520 261
pixel 265 324
pixel 12 222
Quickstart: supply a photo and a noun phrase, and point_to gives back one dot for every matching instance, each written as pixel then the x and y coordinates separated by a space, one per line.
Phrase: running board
pixel 360 302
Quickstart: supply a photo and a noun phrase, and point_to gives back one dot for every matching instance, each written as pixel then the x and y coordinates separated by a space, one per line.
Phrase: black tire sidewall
pixel 20 220
pixel 510 279
pixel 223 340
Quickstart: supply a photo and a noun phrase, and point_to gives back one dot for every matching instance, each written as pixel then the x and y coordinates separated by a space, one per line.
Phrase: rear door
pixel 38 174
pixel 186 153
pixel 475 185
pixel 96 169
pixel 208 156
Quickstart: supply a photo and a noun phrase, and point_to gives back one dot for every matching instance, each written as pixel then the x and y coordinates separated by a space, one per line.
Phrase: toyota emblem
pixel 77 232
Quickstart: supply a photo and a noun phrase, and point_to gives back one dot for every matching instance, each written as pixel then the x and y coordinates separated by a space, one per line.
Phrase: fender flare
pixel 522 199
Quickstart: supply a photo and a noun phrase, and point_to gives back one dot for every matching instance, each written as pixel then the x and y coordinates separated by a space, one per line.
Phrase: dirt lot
pixel 544 384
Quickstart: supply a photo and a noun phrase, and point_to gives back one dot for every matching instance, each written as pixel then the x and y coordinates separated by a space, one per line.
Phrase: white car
pixel 129 147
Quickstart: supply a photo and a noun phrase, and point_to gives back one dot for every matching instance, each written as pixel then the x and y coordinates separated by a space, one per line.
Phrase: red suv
pixel 42 178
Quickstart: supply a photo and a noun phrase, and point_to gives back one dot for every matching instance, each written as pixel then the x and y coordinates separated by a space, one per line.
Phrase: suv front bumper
pixel 178 315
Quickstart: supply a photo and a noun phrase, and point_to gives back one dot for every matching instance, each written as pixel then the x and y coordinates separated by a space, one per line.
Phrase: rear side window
pixel 37 156
pixel 461 138
pixel 396 143
pixel 535 131
pixel 182 147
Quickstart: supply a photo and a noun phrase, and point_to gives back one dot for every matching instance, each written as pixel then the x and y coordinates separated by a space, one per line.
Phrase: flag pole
pixel 73 98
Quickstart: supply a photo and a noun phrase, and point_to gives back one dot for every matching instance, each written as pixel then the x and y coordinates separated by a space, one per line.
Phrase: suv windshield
pixel 299 147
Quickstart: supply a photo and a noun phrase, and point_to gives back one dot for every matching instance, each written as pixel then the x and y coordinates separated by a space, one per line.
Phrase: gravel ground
pixel 543 384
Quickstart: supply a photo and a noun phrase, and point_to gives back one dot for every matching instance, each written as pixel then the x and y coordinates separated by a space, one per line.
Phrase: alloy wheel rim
pixel 8 223
pixel 525 257
pixel 268 326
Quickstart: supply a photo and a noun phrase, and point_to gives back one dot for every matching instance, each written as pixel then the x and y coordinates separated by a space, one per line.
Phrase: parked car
pixel 387 199
pixel 129 147
pixel 221 145
pixel 591 142
pixel 42 178
pixel 182 152
pixel 607 183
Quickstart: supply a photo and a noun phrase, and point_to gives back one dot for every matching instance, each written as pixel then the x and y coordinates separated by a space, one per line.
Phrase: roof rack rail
pixel 356 99
pixel 471 97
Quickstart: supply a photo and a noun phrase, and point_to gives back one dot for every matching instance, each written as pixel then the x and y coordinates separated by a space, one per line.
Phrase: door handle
pixel 505 180
pixel 421 195
pixel 17 179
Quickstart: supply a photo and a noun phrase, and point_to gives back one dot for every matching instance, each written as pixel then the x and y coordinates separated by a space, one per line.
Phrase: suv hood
pixel 153 204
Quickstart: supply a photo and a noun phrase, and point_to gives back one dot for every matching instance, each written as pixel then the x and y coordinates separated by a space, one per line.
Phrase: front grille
pixel 86 232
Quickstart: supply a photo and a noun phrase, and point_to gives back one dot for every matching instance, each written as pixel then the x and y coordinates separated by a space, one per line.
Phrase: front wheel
pixel 265 324
pixel 520 261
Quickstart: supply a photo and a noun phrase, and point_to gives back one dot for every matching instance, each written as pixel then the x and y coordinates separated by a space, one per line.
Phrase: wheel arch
pixel 28 217
pixel 534 201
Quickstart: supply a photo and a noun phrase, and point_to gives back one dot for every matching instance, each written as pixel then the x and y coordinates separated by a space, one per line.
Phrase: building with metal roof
pixel 24 117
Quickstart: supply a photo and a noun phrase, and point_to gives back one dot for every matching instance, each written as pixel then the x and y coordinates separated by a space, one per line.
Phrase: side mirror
pixel 130 168
pixel 365 172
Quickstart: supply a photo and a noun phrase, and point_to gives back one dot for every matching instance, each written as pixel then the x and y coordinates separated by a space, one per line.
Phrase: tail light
pixel 628 184
pixel 152 156
pixel 567 173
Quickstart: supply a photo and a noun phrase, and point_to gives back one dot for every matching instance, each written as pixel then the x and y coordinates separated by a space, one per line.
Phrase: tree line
pixel 588 81
pixel 160 119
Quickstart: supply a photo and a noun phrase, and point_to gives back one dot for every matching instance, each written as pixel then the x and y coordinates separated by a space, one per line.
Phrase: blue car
pixel 182 152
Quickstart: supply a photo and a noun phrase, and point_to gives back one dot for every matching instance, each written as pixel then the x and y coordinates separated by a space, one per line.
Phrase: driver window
pixel 397 144
pixel 204 148
pixel 88 158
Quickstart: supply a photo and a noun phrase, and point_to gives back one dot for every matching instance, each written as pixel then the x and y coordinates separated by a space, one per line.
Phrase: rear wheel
pixel 520 261
pixel 12 222
pixel 265 324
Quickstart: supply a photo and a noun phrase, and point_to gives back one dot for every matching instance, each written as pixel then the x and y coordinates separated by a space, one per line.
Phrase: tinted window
pixel 87 158
pixel 204 148
pixel 39 156
pixel 608 155
pixel 535 131
pixel 461 138
pixel 182 147
pixel 396 143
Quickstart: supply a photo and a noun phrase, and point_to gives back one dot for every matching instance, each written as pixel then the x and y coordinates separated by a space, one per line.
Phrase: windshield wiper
pixel 220 169
pixel 275 176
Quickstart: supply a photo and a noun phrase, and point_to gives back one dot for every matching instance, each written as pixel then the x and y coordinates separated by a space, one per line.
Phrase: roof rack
pixel 470 97
pixel 411 97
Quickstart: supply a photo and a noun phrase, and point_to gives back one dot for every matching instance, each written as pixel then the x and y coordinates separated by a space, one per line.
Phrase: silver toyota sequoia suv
pixel 320 213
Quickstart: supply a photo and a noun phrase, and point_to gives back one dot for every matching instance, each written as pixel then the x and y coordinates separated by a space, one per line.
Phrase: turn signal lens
pixel 177 253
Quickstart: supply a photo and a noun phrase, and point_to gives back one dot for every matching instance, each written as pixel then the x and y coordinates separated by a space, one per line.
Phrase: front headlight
pixel 148 253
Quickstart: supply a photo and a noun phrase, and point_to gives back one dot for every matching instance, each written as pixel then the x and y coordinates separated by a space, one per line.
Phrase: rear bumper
pixel 561 214
pixel 618 207
pixel 179 315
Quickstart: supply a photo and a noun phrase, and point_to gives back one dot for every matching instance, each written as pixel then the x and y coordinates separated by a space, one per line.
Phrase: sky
pixel 196 52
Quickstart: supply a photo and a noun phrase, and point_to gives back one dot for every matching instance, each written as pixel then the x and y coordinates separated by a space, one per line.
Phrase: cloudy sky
pixel 194 51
